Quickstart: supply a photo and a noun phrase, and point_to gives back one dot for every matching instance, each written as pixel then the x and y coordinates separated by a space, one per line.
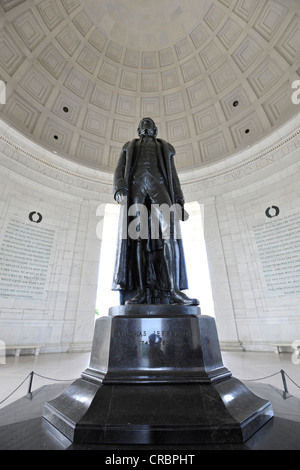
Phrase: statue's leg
pixel 171 259
pixel 141 296
pixel 137 252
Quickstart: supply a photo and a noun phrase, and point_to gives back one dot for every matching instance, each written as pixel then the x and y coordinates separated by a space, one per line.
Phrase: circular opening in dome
pixel 235 103
pixel 247 131
pixel 55 137
pixel 65 109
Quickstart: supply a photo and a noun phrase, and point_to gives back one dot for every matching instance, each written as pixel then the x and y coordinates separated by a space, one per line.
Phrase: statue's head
pixel 147 127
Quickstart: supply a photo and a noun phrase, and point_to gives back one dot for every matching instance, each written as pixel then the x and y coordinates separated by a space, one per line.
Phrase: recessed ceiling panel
pixel 216 75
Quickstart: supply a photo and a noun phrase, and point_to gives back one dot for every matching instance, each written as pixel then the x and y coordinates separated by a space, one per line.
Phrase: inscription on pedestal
pixel 158 349
pixel 24 260
pixel 151 337
pixel 278 244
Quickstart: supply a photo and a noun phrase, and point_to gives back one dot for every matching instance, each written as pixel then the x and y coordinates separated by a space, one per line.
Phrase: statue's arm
pixel 178 194
pixel 120 188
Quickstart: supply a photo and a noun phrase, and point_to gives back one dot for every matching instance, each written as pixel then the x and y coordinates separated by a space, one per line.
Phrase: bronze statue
pixel 150 265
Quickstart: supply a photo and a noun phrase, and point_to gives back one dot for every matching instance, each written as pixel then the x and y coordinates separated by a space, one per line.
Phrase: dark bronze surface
pixel 162 414
pixel 165 345
pixel 156 374
pixel 23 428
pixel 157 378
pixel 150 264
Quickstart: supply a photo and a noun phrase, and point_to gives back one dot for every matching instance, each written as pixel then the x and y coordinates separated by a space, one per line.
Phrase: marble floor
pixel 23 428
pixel 249 366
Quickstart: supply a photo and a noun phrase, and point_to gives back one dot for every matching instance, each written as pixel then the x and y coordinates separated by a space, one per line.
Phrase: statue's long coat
pixel 124 278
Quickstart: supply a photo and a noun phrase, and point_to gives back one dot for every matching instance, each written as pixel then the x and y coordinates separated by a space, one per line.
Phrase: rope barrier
pixel 292 380
pixel 262 378
pixel 31 374
pixel 283 375
pixel 56 380
pixel 15 389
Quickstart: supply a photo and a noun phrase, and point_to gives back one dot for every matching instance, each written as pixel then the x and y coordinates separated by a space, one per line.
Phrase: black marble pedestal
pixel 156 375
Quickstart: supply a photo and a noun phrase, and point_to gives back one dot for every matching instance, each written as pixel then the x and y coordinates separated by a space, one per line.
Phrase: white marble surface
pixel 69 366
pixel 234 194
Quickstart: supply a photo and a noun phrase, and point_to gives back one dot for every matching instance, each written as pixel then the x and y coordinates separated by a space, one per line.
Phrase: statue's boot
pixel 139 298
pixel 178 297
pixel 172 261
pixel 141 295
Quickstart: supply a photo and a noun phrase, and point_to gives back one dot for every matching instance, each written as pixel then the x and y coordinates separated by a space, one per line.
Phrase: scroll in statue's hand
pixel 182 213
pixel 121 196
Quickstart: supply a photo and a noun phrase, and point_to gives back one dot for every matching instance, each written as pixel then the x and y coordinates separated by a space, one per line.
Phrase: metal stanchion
pixel 30 382
pixel 284 381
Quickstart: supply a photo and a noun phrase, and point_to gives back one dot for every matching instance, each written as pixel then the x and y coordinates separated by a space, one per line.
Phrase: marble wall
pixel 252 230
pixel 49 220
pixel 262 255
pixel 49 250
pixel 48 274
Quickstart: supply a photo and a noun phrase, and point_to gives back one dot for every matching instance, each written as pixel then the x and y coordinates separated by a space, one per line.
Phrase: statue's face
pixel 147 127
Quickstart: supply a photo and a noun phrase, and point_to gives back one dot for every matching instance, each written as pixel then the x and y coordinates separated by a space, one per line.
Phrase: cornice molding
pixel 36 163
pixel 255 164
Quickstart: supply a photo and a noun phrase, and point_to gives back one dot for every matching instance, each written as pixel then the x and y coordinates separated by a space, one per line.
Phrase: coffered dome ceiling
pixel 216 76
